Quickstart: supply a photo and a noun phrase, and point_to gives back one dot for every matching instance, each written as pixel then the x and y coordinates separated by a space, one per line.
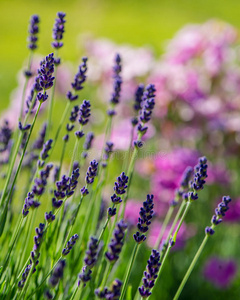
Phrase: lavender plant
pixel 51 195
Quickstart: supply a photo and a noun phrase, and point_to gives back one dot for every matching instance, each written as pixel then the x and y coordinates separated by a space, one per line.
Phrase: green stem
pixel 164 226
pixel 3 217
pixel 61 159
pixel 25 85
pixel 106 274
pixel 67 107
pixel 50 108
pixel 104 227
pixel 45 278
pixel 191 267
pixel 131 262
pixel 74 293
pixel 180 210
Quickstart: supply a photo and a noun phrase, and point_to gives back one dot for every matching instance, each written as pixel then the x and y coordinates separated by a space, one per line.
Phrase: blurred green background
pixel 137 22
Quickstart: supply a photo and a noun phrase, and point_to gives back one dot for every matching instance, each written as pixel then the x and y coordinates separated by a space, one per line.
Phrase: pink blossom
pixel 185 232
pixel 219 271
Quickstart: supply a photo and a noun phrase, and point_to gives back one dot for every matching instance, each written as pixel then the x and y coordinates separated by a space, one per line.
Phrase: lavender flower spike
pixel 70 244
pixel 220 212
pixel 84 112
pixel 146 214
pixel 33 32
pixel 58 30
pixel 57 273
pixel 150 275
pixel 116 243
pixel 90 260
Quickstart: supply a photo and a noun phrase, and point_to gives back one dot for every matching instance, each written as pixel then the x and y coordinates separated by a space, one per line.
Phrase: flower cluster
pixel 65 188
pixel 70 244
pixel 84 112
pixel 58 30
pixel 88 143
pixel 90 260
pixel 220 212
pixel 150 275
pixel 120 189
pixel 57 273
pixel 33 31
pixel 116 85
pixel 5 136
pixel 146 214
pixel 116 243
pixel 47 146
pixel 112 293
pixel 79 79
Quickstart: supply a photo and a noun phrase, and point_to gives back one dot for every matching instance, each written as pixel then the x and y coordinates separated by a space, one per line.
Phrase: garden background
pixel 148 24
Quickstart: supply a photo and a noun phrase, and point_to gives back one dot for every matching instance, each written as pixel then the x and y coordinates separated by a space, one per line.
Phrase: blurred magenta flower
pixel 221 272
pixel 185 233
pixel 132 211
pixel 233 215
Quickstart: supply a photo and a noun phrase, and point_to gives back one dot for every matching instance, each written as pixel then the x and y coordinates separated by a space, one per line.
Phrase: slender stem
pixel 126 161
pixel 74 293
pixel 183 217
pixel 25 85
pixel 74 155
pixel 104 227
pixel 191 267
pixel 61 159
pixel 50 108
pixel 106 274
pixel 67 107
pixel 164 226
pixel 131 262
pixel 45 278
pixel 18 169
pixel 180 210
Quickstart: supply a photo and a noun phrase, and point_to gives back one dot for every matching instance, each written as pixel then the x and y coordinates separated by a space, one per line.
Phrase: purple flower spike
pixel 57 273
pixel 150 275
pixel 5 136
pixel 79 79
pixel 38 144
pixel 58 30
pixel 117 80
pixel 45 78
pixel 116 243
pixel 138 97
pixel 24 276
pixel 91 254
pixel 146 214
pixel 200 174
pixel 121 184
pixel 220 212
pixel 70 244
pixel 33 32
pixel 84 112
pixel 49 217
pixel 92 172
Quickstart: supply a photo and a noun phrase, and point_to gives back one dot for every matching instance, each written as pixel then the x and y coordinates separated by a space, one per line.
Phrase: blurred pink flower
pixel 221 272
pixel 132 211
pixel 185 232
pixel 233 214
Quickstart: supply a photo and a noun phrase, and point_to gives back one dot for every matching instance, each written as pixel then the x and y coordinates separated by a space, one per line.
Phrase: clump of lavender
pixel 116 244
pixel 148 103
pixel 90 260
pixel 57 274
pixel 90 176
pixel 58 30
pixel 70 244
pixel 200 174
pixel 137 103
pixel 146 214
pixel 65 188
pixel 88 144
pixel 120 189
pixel 114 100
pixel 33 32
pixel 150 274
pixel 79 79
pixel 220 212
pixel 5 136
pixel 107 152
pixel 45 153
pixel 38 189
pixel 112 293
